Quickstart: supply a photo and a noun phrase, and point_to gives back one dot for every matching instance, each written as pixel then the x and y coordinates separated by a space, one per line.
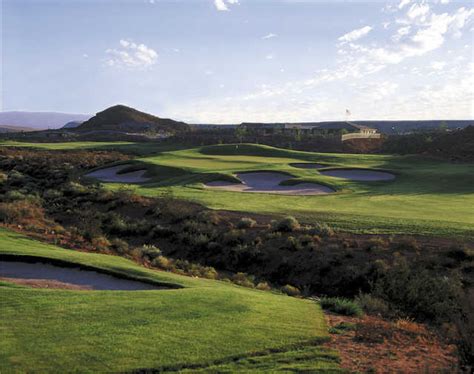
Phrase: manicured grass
pixel 205 325
pixel 428 196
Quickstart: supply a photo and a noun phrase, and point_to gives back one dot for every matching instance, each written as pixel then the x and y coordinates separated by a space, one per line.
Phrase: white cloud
pixel 438 65
pixel 403 3
pixel 444 1
pixel 355 34
pixel 223 5
pixel 85 55
pixel 131 56
pixel 270 57
pixel 418 11
pixel 269 36
pixel 401 32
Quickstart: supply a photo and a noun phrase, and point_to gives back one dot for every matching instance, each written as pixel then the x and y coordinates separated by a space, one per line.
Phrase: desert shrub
pixel 263 286
pixel 101 243
pixel 209 216
pixel 233 237
pixel 287 224
pixel 3 177
pixel 14 195
pixel 150 252
pixel 52 194
pixel 293 244
pixel 15 177
pixel 373 305
pixel 161 232
pixel 21 212
pixel 342 306
pixel 198 240
pixel 191 226
pixel 74 188
pixel 162 262
pixel 376 244
pixel 322 229
pixel 290 290
pixel 246 223
pixel 120 246
pixel 417 292
pixel 243 279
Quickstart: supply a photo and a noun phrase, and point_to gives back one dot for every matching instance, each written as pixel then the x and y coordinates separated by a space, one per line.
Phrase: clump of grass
pixel 342 327
pixel 342 306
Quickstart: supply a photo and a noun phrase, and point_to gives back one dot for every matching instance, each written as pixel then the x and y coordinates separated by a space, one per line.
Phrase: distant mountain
pixel 121 118
pixel 72 124
pixel 9 129
pixel 40 120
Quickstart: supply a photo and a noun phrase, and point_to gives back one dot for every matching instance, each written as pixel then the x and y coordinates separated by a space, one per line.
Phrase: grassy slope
pixel 203 324
pixel 429 196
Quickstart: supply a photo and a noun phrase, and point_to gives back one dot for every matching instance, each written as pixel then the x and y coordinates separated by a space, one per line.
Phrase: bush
pixel 150 252
pixel 120 246
pixel 14 195
pixel 263 286
pixel 288 224
pixel 246 223
pixel 21 212
pixel 101 243
pixel 323 230
pixel 373 305
pixel 162 262
pixel 243 279
pixel 418 293
pixel 290 290
pixel 342 306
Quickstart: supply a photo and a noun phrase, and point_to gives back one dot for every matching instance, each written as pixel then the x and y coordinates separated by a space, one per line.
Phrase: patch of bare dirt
pixel 379 346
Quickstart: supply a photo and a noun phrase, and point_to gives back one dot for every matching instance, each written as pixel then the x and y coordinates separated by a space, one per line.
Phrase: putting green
pixel 206 323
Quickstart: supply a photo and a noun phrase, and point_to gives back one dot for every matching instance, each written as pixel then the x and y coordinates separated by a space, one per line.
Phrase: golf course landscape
pixel 206 324
pixel 427 196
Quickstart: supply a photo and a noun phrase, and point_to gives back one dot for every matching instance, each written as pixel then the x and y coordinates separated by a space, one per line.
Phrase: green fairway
pixel 428 196
pixel 207 325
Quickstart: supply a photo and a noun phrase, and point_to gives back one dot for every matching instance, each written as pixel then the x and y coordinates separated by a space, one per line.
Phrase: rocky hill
pixel 121 118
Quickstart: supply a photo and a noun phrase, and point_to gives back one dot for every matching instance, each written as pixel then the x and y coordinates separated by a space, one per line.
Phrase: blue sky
pixel 227 61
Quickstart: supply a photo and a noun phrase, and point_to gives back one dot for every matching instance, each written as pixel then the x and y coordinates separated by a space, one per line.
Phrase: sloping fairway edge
pixel 206 324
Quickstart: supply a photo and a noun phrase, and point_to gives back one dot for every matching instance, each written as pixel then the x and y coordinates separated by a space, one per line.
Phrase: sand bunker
pixel 307 165
pixel 269 182
pixel 51 276
pixel 110 175
pixel 359 174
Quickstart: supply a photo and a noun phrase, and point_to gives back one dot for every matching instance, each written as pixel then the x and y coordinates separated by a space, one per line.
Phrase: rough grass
pixel 205 324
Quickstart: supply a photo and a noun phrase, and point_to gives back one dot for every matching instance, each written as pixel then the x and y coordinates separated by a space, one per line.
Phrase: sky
pixel 229 61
